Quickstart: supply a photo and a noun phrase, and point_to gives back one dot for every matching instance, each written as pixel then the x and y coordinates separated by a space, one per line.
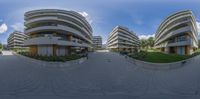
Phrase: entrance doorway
pixel 172 50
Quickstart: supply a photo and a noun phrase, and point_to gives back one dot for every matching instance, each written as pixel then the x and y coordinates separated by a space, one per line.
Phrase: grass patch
pixel 159 57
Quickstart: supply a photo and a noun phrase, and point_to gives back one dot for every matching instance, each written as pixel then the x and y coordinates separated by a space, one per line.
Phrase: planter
pixel 52 64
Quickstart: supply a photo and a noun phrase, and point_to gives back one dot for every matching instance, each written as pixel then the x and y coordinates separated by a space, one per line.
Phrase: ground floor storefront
pixel 55 50
pixel 181 50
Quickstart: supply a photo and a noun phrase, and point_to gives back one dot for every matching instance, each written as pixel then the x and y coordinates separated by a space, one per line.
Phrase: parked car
pixel 124 53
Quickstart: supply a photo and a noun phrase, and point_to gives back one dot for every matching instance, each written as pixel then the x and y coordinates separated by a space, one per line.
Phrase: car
pixel 124 53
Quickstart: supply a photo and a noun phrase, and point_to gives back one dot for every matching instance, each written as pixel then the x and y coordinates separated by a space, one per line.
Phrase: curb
pixel 52 64
pixel 160 66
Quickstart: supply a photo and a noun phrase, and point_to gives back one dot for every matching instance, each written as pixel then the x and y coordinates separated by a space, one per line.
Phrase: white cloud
pixel 87 16
pixel 198 26
pixel 3 28
pixel 139 22
pixel 146 36
pixel 18 26
pixel 83 14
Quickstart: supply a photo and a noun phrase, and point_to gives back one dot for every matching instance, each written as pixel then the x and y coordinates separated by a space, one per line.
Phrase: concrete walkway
pixel 105 75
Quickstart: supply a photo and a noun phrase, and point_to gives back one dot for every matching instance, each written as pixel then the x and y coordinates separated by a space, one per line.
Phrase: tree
pixel 147 43
pixel 1 46
pixel 150 42
pixel 199 43
pixel 143 43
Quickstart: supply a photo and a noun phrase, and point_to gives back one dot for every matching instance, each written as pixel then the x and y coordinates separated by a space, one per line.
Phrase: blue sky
pixel 141 16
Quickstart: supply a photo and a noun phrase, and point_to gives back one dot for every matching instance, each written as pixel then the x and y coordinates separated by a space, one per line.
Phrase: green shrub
pixel 194 54
pixel 138 55
pixel 53 58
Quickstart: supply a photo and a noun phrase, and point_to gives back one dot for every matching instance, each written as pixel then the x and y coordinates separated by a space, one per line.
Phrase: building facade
pixel 178 34
pixel 97 41
pixel 122 39
pixel 56 32
pixel 16 40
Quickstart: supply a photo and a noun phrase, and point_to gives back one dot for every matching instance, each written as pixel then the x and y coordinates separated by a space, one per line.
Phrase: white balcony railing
pixel 181 43
pixel 176 32
pixel 59 27
pixel 53 40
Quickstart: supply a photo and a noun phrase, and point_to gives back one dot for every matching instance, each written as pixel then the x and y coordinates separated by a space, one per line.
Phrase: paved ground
pixel 104 76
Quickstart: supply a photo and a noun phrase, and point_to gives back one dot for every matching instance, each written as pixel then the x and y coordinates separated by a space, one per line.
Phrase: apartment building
pixel 97 41
pixel 55 32
pixel 178 34
pixel 122 39
pixel 16 40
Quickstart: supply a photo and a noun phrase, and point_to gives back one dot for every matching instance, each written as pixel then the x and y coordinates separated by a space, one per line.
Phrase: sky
pixel 140 16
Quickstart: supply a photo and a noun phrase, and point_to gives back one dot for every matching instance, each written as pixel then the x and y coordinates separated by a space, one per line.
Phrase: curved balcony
pixel 163 28
pixel 45 18
pixel 174 33
pixel 51 41
pixel 181 23
pixel 51 18
pixel 57 28
pixel 174 16
pixel 181 43
pixel 83 22
pixel 168 29
pixel 45 13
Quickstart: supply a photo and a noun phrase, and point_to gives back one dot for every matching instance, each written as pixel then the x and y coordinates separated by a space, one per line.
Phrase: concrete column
pixel 68 50
pixel 33 50
pixel 55 47
pixel 188 50
pixel 166 49
pixel 176 50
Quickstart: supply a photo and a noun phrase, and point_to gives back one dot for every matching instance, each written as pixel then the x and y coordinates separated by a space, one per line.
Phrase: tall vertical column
pixel 187 50
pixel 166 49
pixel 55 47
pixel 68 50
pixel 33 50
